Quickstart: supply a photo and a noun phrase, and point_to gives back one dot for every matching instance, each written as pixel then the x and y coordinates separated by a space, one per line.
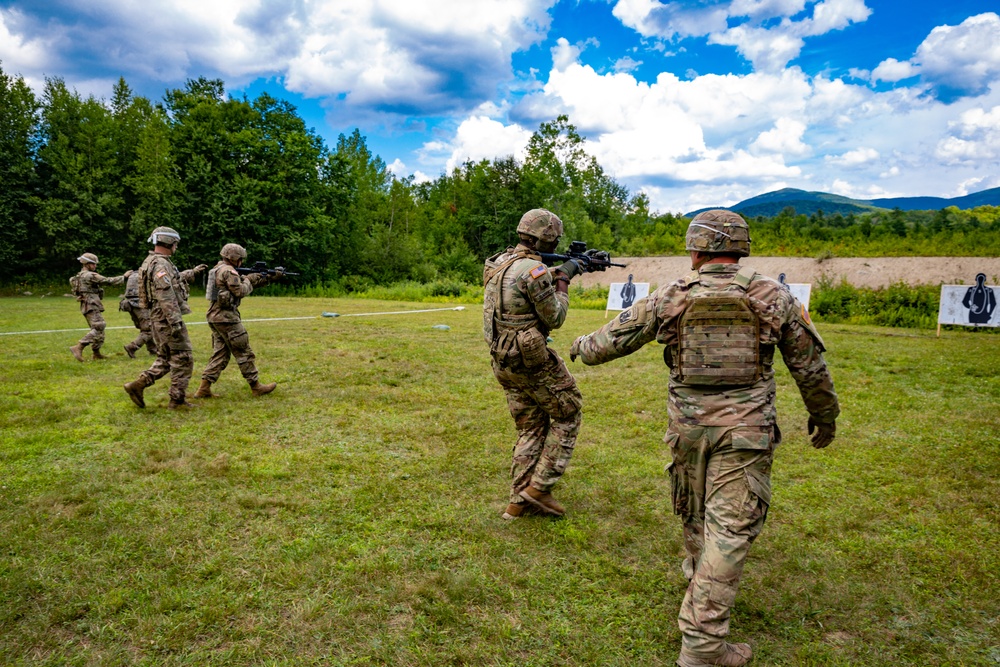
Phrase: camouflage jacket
pixel 520 295
pixel 88 291
pixel 163 289
pixel 784 324
pixel 231 289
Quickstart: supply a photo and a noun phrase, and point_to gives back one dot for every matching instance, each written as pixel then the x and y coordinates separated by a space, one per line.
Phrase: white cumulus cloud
pixel 854 158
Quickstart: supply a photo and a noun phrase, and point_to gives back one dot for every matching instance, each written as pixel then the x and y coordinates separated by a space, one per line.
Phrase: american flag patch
pixel 161 274
pixel 805 315
pixel 538 272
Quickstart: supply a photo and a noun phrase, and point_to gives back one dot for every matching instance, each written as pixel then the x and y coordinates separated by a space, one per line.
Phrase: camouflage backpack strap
pixel 720 336
pixel 744 277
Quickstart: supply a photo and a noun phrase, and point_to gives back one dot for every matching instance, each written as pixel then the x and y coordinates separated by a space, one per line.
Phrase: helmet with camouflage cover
pixel 542 225
pixel 164 236
pixel 87 258
pixel 719 232
pixel 233 252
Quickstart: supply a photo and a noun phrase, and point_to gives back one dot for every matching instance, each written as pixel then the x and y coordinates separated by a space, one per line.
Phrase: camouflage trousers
pixel 94 337
pixel 140 318
pixel 174 356
pixel 545 404
pixel 230 339
pixel 720 478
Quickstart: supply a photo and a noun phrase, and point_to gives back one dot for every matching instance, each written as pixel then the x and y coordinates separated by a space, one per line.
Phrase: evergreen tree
pixel 19 120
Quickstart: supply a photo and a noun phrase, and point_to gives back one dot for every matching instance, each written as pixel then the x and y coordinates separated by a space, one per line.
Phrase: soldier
pixel 88 291
pixel 164 291
pixel 226 288
pixel 523 301
pixel 129 303
pixel 720 326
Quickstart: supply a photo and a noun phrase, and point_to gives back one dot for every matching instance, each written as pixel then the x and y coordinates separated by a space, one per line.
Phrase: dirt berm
pixel 858 271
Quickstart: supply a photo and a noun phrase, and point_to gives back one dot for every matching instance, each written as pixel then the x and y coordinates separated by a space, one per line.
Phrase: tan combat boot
pixel 134 390
pixel 542 500
pixel 204 390
pixel 77 351
pixel 130 351
pixel 515 510
pixel 181 404
pixel 97 355
pixel 259 389
pixel 731 655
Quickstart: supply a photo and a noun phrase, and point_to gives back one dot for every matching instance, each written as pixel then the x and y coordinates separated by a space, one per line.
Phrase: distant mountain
pixel 772 203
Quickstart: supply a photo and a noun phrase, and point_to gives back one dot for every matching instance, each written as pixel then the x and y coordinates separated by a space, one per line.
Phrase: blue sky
pixel 697 103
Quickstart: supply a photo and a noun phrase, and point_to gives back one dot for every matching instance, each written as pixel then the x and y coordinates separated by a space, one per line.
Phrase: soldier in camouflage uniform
pixel 720 326
pixel 164 291
pixel 88 291
pixel 523 301
pixel 129 303
pixel 226 288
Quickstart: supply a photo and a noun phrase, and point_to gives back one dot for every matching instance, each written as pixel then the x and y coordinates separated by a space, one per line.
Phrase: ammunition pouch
pixel 519 343
pixel 533 347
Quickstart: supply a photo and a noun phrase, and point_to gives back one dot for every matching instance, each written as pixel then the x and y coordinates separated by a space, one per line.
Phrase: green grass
pixel 352 517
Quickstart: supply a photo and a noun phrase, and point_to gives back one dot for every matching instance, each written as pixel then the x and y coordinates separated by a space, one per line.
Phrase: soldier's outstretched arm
pixel 189 275
pixel 622 336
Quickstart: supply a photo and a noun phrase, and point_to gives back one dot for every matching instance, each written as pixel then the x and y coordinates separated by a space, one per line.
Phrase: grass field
pixel 353 516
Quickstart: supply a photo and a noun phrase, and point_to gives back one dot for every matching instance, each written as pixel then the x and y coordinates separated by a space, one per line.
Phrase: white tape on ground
pixel 263 319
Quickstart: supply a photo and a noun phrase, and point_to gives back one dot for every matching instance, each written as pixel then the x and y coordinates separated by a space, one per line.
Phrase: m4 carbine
pixel 590 260
pixel 261 267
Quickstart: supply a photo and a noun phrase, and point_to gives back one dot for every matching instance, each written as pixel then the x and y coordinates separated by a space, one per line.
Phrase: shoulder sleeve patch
pixel 537 272
pixel 805 315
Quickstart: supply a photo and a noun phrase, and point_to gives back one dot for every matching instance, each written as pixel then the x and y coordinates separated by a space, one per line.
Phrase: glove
pixel 571 268
pixel 824 433
pixel 574 349
pixel 128 273
pixel 176 328
pixel 200 268
pixel 278 272
pixel 600 256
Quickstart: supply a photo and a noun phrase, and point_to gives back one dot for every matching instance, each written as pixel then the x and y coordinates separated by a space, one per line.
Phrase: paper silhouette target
pixel 970 306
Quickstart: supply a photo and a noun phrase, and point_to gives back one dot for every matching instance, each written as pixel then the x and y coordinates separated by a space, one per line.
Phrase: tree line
pixel 97 175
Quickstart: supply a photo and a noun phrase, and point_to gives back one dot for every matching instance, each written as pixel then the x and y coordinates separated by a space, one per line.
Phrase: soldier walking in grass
pixel 720 326
pixel 129 303
pixel 164 291
pixel 524 300
pixel 226 289
pixel 88 290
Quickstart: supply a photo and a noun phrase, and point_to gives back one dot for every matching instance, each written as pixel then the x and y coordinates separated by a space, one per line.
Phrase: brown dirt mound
pixel 858 271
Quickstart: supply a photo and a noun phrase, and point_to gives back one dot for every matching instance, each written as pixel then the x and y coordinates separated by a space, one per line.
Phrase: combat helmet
pixel 541 224
pixel 87 258
pixel 718 231
pixel 233 252
pixel 164 236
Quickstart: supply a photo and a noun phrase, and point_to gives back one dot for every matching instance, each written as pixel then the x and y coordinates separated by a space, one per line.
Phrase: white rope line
pixel 263 319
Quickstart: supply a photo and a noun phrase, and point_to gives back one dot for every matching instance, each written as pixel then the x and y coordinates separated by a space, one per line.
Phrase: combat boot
pixel 97 355
pixel 515 510
pixel 130 351
pixel 179 405
pixel 731 655
pixel 542 500
pixel 134 390
pixel 204 390
pixel 259 389
pixel 77 351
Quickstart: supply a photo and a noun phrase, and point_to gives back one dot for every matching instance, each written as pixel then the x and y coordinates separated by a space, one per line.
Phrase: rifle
pixel 578 251
pixel 261 267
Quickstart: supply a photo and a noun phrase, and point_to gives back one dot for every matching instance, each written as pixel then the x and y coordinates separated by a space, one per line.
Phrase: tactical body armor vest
pixel 719 335
pixel 509 335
